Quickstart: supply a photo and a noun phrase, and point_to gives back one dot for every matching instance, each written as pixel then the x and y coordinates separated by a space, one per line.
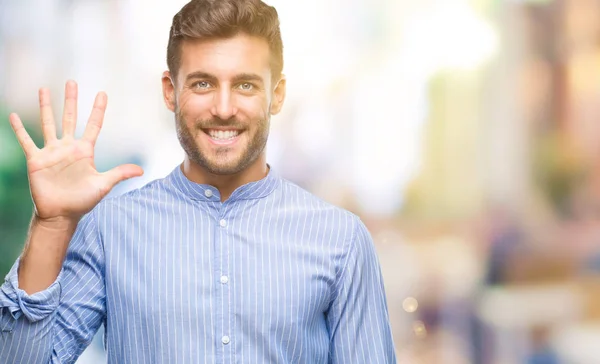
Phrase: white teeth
pixel 223 135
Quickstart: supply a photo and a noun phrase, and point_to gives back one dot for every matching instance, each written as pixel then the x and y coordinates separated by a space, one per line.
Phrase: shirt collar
pixel 205 192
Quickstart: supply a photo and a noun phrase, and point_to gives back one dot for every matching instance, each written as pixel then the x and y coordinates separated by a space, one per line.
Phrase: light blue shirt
pixel 271 275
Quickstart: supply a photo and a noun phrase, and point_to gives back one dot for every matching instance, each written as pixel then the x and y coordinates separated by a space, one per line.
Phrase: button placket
pixel 224 280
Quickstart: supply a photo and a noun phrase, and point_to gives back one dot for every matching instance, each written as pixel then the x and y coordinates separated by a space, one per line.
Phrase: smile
pixel 223 137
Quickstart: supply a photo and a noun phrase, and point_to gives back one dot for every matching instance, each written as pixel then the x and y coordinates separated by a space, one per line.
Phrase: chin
pixel 224 170
pixel 220 168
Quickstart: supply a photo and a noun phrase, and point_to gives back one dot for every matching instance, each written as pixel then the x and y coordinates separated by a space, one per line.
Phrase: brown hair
pixel 205 19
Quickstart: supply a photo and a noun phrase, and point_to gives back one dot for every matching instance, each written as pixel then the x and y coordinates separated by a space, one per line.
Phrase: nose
pixel 223 104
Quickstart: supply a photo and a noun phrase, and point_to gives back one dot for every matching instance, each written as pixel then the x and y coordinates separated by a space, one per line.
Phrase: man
pixel 221 261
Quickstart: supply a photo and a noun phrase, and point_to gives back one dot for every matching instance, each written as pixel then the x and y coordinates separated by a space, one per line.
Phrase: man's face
pixel 223 98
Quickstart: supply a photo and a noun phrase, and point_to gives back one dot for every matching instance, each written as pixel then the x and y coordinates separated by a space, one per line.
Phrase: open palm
pixel 63 179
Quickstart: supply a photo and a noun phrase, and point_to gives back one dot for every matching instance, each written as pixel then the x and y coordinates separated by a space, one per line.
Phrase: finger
pixel 23 137
pixel 69 120
pixel 92 129
pixel 47 120
pixel 121 173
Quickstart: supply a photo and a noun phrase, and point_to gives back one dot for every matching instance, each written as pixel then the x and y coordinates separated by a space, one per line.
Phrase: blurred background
pixel 464 133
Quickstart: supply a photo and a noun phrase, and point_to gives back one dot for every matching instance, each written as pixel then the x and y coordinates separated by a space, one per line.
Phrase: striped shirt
pixel 271 275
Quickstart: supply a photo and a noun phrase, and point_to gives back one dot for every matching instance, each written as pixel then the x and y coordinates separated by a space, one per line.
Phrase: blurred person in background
pixel 221 260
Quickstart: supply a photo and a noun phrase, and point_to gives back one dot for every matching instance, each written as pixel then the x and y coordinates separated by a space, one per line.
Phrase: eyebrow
pixel 200 74
pixel 248 77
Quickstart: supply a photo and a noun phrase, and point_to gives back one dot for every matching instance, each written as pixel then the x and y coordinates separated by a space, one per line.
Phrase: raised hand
pixel 63 179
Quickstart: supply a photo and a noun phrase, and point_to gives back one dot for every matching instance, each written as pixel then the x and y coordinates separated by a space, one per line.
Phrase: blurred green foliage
pixel 558 169
pixel 15 200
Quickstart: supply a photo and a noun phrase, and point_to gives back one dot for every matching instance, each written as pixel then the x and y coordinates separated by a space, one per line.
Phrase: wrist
pixel 57 224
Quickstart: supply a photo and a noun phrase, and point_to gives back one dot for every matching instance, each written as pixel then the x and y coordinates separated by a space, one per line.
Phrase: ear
pixel 168 88
pixel 278 96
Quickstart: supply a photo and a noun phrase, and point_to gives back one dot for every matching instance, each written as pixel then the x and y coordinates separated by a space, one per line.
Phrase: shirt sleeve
pixel 57 324
pixel 357 318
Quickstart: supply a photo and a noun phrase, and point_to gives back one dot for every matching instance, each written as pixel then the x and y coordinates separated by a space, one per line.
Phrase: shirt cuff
pixel 35 307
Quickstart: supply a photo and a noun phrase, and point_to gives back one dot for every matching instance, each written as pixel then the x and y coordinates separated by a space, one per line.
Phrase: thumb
pixel 121 173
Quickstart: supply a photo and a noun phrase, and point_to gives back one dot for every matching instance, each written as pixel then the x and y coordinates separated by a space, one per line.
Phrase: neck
pixel 226 184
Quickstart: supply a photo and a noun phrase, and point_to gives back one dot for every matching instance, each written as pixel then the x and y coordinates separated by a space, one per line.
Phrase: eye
pixel 246 86
pixel 201 85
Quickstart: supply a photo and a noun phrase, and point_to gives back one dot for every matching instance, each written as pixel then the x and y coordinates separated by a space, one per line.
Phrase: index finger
pixel 92 129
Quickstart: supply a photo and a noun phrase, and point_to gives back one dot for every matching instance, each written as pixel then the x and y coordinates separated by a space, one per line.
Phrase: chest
pixel 202 272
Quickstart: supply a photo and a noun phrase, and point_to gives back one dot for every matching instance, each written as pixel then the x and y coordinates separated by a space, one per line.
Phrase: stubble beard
pixel 221 163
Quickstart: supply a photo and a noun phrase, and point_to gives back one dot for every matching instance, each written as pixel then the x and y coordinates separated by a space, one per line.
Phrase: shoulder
pixel 139 198
pixel 301 198
pixel 302 203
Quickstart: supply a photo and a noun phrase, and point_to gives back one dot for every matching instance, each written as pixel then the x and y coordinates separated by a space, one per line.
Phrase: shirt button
pixel 225 340
pixel 208 193
pixel 224 279
pixel 223 223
